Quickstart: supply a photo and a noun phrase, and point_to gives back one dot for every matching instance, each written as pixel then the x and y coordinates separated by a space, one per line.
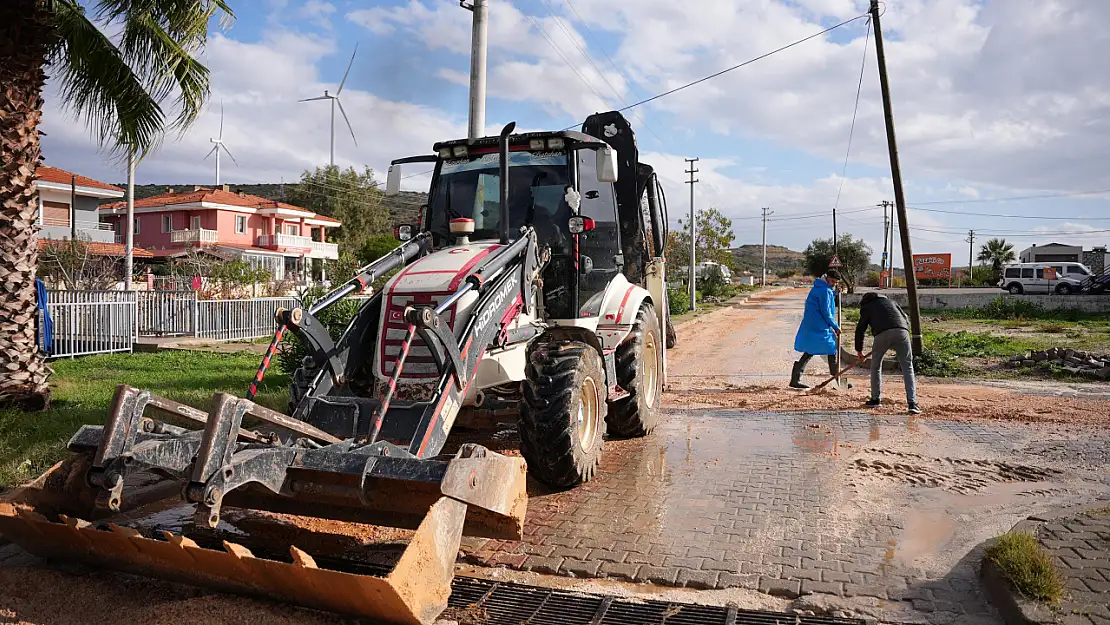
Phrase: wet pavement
pixel 886 511
pixel 889 510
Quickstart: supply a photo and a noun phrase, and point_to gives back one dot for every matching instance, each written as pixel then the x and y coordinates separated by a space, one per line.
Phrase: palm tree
pixel 117 87
pixel 997 252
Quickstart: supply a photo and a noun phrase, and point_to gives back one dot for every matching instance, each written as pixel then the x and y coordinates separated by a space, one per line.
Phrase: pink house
pixel 281 237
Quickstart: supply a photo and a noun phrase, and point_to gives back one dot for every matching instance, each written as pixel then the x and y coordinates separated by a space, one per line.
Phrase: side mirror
pixel 403 232
pixel 606 164
pixel 393 180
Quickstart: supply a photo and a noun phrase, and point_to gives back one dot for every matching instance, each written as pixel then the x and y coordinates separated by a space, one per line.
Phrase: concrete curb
pixel 1014 608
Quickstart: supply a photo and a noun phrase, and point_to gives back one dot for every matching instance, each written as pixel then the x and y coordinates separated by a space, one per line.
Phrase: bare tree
pixel 73 264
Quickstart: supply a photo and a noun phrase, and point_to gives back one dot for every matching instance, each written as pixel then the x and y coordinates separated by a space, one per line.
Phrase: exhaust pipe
pixel 503 157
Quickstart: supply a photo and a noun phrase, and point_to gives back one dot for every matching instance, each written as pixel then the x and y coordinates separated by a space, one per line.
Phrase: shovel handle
pixel 841 372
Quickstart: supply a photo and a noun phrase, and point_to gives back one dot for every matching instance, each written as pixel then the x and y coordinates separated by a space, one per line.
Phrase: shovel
pixel 822 385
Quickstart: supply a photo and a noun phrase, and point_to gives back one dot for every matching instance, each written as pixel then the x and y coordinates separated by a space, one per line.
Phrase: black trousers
pixel 804 360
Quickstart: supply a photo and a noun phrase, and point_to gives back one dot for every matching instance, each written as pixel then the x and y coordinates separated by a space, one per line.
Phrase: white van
pixel 1029 278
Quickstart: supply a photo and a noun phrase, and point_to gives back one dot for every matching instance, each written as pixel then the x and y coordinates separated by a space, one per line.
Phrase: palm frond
pixel 120 90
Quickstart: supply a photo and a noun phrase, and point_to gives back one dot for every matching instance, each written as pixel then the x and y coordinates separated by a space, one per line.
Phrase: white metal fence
pixel 231 320
pixel 92 328
pixel 96 322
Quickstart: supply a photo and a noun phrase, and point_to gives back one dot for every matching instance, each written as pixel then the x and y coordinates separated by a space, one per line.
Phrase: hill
pixel 403 208
pixel 779 259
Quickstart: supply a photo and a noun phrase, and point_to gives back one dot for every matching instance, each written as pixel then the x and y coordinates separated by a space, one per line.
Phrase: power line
pixel 855 110
pixel 627 79
pixel 738 66
pixel 676 89
pixel 968 213
pixel 1018 197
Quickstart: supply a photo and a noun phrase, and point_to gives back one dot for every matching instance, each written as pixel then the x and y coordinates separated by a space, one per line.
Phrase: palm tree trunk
pixel 25 36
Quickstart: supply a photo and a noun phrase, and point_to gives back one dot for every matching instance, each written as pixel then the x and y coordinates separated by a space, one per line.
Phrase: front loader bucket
pixel 68 512
pixel 414 591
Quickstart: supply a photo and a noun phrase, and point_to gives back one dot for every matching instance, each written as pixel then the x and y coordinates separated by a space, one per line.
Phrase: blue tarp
pixel 46 324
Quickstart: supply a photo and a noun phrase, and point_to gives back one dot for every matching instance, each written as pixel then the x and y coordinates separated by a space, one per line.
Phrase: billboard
pixel 932 266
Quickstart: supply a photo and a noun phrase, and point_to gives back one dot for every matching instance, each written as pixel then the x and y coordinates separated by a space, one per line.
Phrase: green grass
pixel 944 351
pixel 82 389
pixel 1023 563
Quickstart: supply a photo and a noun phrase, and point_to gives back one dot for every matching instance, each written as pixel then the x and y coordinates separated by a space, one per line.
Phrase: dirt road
pixel 741 358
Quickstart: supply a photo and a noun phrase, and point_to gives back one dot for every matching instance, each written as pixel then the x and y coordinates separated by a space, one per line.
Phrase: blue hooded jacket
pixel 817 334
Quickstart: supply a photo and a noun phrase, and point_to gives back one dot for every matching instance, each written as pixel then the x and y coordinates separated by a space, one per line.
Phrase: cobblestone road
pixel 1080 546
pixel 888 510
pixel 792 504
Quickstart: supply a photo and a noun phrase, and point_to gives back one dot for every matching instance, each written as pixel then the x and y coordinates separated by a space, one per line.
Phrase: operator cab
pixel 560 183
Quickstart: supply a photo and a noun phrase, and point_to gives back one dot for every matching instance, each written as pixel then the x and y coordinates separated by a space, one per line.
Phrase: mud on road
pixel 740 358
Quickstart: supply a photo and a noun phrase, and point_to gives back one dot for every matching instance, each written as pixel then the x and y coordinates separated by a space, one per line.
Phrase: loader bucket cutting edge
pixel 415 591
pixel 47 518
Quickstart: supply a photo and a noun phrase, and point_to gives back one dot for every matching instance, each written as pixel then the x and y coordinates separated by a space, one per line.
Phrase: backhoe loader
pixel 535 276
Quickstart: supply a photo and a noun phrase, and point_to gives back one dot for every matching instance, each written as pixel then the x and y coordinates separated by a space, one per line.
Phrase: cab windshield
pixel 470 187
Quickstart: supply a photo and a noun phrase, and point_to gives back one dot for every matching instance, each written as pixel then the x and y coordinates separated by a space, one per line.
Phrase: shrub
pixel 335 318
pixel 678 300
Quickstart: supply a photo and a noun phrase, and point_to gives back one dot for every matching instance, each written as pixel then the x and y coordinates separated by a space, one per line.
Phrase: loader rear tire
pixel 561 433
pixel 639 371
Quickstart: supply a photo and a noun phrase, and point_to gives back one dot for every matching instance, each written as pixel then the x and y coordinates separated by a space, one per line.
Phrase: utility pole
pixel 899 192
pixel 886 237
pixel 73 207
pixel 478 39
pixel 970 254
pixel 693 233
pixel 765 215
pixel 129 239
pixel 890 278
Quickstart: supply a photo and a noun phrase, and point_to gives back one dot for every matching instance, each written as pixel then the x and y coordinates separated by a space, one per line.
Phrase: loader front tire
pixel 561 418
pixel 640 372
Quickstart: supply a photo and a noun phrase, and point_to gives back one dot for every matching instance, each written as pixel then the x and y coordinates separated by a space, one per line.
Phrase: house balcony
pixel 194 237
pixel 86 230
pixel 295 244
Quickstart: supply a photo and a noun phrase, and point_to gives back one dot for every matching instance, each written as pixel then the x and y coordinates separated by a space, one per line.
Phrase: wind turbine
pixel 335 101
pixel 219 144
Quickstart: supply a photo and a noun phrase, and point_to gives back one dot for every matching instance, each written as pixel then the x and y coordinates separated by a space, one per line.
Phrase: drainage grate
pixel 505 603
pixel 514 604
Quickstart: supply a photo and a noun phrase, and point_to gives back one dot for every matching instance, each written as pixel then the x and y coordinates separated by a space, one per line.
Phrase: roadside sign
pixel 1050 273
pixel 835 262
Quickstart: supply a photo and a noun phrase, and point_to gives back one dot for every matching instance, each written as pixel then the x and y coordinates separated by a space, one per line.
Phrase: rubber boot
pixel 796 376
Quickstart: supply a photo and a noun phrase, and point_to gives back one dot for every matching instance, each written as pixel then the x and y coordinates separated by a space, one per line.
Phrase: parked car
pixel 1030 278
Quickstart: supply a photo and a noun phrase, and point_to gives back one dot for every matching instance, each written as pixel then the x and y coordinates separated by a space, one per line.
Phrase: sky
pixel 1002 108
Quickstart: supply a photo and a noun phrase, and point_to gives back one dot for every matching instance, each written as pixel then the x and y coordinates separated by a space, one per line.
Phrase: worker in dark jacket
pixel 890 327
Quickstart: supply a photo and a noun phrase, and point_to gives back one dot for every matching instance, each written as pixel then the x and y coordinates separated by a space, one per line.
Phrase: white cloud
pixel 272 136
pixel 318 12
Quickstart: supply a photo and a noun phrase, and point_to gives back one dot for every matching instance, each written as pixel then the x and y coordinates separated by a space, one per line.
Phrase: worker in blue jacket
pixel 819 334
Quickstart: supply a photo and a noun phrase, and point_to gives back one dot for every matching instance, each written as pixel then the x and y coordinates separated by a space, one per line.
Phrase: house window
pixel 196 222
pixel 167 222
pixel 137 222
pixel 292 229
pixel 240 224
pixel 55 214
